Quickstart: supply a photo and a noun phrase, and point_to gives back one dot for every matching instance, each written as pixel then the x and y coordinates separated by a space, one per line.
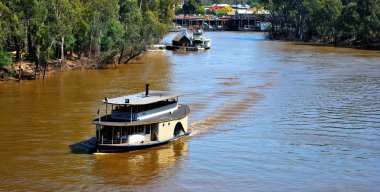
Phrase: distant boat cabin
pixel 181 40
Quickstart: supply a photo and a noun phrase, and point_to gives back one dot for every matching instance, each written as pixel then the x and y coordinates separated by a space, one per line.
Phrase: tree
pixel 190 7
pixel 5 59
pixel 132 20
pixel 99 30
pixel 369 14
pixel 348 22
pixel 201 10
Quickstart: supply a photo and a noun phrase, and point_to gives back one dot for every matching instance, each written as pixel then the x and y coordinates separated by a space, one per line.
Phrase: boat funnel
pixel 146 90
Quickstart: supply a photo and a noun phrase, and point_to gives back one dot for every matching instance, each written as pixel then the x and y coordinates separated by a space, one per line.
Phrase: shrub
pixel 5 58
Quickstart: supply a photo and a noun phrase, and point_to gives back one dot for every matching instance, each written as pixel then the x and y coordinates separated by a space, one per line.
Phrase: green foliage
pixel 256 4
pixel 327 20
pixel 46 29
pixel 201 10
pixel 5 59
pixel 349 21
pixel 5 14
pixel 179 10
pixel 190 6
pixel 221 12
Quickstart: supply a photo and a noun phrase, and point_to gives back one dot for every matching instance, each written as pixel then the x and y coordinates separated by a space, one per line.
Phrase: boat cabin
pixel 181 40
pixel 199 40
pixel 141 106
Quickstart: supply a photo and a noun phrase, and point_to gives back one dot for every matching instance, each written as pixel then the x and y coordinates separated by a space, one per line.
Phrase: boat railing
pixel 113 141
pixel 121 114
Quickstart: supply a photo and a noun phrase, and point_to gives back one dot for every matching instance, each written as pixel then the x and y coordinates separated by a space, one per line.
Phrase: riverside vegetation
pixel 67 34
pixel 353 23
pixel 43 35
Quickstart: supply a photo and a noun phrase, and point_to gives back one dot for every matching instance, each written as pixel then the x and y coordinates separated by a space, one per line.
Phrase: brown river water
pixel 266 116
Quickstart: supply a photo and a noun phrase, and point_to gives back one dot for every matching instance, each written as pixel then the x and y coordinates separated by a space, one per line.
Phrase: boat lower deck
pixel 124 147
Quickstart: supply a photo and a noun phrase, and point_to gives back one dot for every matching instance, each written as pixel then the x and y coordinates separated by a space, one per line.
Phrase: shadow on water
pixel 84 147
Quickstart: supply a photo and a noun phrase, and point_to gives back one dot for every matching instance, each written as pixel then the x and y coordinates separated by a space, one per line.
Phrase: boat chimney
pixel 146 90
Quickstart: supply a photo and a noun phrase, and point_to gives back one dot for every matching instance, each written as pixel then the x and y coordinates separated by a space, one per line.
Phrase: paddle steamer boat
pixel 141 121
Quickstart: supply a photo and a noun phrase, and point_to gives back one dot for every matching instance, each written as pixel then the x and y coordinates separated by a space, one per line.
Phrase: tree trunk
pixel 62 52
pixel 121 56
pixel 46 62
pixel 18 49
pixel 32 55
pixel 45 66
pixel 91 37
pixel 37 63
pixel 132 55
pixel 36 68
pixel 20 71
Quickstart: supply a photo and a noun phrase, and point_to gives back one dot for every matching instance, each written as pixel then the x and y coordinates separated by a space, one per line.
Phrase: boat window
pixel 147 130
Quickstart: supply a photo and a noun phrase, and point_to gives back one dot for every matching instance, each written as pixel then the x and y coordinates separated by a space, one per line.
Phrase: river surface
pixel 266 116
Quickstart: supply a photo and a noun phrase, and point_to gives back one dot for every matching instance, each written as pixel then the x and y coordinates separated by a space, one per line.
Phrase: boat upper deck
pixel 142 99
pixel 181 112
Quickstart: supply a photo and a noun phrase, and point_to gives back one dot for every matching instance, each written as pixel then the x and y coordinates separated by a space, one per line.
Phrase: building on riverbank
pixel 230 22
pixel 225 17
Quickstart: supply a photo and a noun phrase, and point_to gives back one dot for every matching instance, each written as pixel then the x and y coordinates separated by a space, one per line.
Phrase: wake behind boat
pixel 141 121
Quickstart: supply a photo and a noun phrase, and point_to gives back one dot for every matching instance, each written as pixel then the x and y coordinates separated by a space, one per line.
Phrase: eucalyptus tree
pixel 15 26
pixel 60 18
pixel 144 23
pixel 369 14
pixel 97 29
pixel 5 17
pixel 131 17
pixel 335 21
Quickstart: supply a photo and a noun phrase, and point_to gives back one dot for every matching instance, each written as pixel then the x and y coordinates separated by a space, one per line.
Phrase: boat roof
pixel 179 37
pixel 141 99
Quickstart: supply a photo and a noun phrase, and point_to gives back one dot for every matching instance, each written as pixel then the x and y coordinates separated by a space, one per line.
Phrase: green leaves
pixel 191 6
pixel 47 29
pixel 5 58
pixel 326 20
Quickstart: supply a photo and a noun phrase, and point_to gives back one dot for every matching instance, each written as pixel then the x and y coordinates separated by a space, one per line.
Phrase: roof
pixel 140 99
pixel 241 6
pixel 179 37
pixel 221 5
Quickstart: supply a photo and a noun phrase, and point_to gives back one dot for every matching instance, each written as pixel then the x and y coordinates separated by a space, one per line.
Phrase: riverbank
pixel 29 71
pixel 351 43
pixel 375 46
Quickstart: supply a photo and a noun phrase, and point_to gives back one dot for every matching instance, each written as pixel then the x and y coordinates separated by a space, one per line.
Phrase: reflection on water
pixel 266 116
pixel 139 168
